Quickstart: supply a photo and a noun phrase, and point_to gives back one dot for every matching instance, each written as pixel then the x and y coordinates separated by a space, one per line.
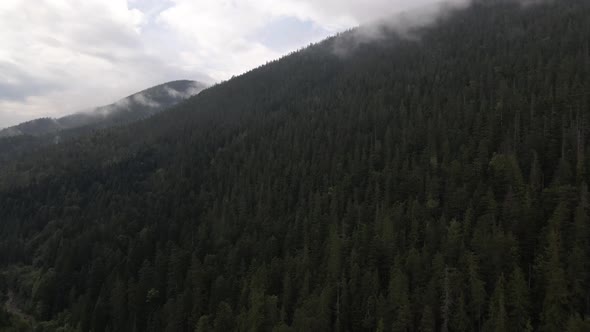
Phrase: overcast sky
pixel 62 56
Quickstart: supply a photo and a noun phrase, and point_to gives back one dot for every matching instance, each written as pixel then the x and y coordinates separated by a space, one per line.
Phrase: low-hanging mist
pixel 409 24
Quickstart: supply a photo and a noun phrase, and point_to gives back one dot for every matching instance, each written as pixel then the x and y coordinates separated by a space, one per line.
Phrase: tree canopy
pixel 431 183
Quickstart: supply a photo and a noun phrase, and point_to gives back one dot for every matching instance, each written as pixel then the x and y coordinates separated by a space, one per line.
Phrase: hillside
pixel 132 108
pixel 431 183
pixel 26 139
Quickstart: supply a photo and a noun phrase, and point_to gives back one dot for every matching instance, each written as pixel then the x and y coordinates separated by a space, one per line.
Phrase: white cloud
pixel 222 35
pixel 145 101
pixel 214 34
pixel 191 91
pixel 60 56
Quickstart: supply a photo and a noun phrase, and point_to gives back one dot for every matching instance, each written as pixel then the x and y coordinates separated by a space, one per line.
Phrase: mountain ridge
pixel 134 107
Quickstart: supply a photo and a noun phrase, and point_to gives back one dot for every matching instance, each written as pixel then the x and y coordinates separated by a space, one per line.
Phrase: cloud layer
pixel 62 56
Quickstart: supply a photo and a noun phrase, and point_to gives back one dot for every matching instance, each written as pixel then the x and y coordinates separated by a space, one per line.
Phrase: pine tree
pixel 427 322
pixel 578 324
pixel 578 267
pixel 497 315
pixel 517 301
pixel 399 301
pixel 477 294
pixel 556 301
pixel 203 325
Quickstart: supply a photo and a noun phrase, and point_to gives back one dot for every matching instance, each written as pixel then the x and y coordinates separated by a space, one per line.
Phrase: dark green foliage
pixel 426 184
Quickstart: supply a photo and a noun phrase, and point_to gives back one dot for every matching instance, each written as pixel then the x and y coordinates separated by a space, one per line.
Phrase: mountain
pixel 29 137
pixel 132 108
pixel 434 180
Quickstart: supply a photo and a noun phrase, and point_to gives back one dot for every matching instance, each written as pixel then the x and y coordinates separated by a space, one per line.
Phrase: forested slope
pixel 436 183
pixel 29 137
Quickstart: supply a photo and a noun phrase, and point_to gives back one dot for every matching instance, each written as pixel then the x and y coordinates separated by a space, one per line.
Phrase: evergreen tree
pixel 497 314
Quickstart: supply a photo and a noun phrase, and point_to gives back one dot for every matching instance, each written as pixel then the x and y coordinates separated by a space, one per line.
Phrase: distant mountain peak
pixel 132 108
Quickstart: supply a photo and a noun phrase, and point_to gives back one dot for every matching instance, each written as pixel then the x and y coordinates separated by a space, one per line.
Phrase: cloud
pixel 62 56
pixel 404 23
pixel 229 37
pixel 145 101
pixel 192 90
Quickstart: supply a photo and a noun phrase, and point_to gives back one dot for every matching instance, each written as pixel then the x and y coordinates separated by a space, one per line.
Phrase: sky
pixel 62 56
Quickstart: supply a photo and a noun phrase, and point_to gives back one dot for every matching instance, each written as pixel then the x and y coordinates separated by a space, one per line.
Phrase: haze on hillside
pixel 422 171
pixel 138 106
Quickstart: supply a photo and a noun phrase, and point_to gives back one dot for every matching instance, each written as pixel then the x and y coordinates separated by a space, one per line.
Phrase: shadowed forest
pixel 433 184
